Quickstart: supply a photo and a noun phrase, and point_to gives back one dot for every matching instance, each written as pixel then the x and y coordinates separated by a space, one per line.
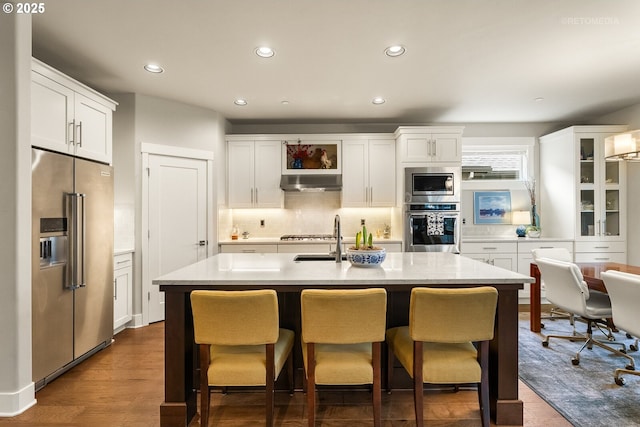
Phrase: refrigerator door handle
pixel 77 240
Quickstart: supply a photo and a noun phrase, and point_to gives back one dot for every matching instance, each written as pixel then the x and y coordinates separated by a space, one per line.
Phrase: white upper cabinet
pixel 254 174
pixel 583 196
pixel 68 117
pixel 368 174
pixel 429 144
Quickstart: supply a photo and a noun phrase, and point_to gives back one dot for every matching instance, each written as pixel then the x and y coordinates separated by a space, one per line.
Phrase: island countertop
pixel 398 274
pixel 280 270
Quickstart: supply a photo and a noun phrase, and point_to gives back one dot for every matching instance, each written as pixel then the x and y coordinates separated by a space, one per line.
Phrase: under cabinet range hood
pixel 319 182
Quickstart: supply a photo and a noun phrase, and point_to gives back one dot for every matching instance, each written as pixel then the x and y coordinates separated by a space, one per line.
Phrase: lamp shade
pixel 521 218
pixel 624 146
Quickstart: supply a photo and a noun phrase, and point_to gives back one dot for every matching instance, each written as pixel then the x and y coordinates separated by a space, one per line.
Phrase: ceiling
pixel 466 61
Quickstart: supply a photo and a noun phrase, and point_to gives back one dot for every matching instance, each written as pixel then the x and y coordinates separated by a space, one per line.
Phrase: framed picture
pixel 311 157
pixel 492 207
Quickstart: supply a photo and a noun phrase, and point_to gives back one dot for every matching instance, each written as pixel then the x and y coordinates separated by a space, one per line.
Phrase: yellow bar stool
pixel 342 333
pixel 240 343
pixel 438 345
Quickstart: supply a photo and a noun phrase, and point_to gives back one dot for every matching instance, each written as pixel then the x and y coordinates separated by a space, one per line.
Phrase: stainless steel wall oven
pixel 432 227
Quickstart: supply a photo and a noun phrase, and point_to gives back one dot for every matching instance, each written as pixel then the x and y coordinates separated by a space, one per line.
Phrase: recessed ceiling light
pixel 284 102
pixel 539 99
pixel 378 100
pixel 154 68
pixel 395 50
pixel 265 52
pixel 241 102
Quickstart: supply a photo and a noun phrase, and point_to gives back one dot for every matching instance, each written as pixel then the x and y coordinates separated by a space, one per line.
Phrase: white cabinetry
pixel 254 174
pixel 499 254
pixel 122 291
pixel 305 248
pixel 429 144
pixel 583 196
pixel 68 117
pixel 368 173
pixel 602 251
pixel 248 248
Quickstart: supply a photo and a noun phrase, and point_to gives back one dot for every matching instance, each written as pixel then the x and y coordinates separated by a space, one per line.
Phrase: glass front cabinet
pixel 582 195
pixel 601 191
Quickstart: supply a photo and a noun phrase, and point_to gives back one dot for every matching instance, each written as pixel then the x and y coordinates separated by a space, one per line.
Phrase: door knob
pixel 202 243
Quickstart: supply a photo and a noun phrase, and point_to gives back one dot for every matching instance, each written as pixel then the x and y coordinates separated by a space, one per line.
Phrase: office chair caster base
pixel 619 381
pixel 545 343
pixel 633 347
pixel 575 361
pixel 630 367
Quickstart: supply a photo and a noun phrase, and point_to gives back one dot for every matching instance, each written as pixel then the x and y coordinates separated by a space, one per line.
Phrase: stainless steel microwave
pixel 432 185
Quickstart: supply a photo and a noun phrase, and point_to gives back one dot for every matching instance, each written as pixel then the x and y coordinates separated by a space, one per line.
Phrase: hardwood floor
pixel 122 386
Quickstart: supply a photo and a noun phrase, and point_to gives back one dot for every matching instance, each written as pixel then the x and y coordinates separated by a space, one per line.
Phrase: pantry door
pixel 177 222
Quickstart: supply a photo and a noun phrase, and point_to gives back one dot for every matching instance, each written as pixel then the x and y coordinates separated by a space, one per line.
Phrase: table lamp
pixel 522 219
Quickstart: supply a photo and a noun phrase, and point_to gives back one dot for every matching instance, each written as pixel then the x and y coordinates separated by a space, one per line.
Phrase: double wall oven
pixel 432 209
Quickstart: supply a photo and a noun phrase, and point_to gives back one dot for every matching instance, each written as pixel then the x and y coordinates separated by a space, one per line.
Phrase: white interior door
pixel 177 220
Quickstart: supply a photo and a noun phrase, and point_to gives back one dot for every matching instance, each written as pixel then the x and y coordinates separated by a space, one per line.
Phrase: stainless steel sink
pixel 317 257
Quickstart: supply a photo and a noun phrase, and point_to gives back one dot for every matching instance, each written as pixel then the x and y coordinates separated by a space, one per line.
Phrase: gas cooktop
pixel 292 237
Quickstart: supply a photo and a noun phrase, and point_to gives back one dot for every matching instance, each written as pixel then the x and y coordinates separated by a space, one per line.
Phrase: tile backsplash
pixel 304 213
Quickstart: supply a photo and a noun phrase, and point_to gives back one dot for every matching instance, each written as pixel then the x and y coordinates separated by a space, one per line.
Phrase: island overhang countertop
pixel 398 274
pixel 280 270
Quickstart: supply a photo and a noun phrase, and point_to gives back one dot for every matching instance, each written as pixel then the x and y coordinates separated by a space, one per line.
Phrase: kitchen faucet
pixel 337 233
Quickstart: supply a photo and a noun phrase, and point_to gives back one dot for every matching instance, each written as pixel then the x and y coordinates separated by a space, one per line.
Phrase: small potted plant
pixel 363 253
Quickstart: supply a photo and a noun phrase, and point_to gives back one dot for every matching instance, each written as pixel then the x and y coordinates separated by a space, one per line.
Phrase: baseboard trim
pixel 12 404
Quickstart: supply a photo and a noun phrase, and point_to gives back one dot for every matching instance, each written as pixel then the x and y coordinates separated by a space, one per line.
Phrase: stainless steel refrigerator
pixel 72 261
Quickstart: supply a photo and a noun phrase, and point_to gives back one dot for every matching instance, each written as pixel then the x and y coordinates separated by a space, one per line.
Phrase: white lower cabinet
pixel 390 247
pixel 607 251
pixel 122 291
pixel 305 248
pixel 248 248
pixel 499 254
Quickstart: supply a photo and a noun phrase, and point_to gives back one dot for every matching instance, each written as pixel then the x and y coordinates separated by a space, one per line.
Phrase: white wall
pixel 124 171
pixel 17 391
pixel 142 118
pixel 629 116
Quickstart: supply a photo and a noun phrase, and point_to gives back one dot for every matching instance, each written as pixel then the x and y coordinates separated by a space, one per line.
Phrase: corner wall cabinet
pixel 583 196
pixel 369 173
pixel 122 291
pixel 69 117
pixel 254 174
pixel 429 144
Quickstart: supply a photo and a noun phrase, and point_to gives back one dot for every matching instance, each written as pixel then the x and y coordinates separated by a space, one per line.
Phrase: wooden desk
pixel 399 273
pixel 590 272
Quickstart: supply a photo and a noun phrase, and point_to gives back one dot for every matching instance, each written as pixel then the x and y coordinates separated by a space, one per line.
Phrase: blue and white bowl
pixel 366 257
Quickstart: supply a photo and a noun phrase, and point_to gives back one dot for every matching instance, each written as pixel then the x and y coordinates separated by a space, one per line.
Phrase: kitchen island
pixel 399 273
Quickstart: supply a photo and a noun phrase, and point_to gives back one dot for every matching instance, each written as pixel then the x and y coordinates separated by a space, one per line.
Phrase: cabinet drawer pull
pixel 602 259
pixel 122 262
pixel 601 247
pixel 489 248
pixel 248 251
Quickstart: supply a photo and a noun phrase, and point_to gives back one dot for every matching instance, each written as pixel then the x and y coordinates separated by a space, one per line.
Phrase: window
pixel 497 159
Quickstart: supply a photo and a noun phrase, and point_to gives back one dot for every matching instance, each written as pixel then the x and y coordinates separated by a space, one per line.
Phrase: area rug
pixel 585 394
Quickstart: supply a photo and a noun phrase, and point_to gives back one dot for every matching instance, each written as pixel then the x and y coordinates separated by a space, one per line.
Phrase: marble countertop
pixel 437 268
pixel 276 240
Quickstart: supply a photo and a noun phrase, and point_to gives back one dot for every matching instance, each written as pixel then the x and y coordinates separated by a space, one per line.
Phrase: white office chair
pixel 561 254
pixel 624 292
pixel 566 289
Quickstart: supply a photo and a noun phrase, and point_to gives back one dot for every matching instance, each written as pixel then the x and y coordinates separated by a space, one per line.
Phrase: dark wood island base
pixel 181 378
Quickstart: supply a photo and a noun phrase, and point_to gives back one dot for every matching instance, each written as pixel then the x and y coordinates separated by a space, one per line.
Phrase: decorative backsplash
pixel 304 213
